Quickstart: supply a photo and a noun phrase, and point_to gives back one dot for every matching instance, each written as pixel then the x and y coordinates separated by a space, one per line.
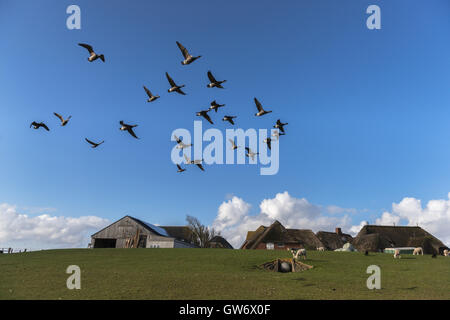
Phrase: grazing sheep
pixel 397 254
pixel 298 252
pixel 446 253
pixel 320 249
pixel 418 251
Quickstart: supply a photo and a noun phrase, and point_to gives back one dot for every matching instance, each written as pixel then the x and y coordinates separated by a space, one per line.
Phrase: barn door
pixel 142 241
pixel 105 243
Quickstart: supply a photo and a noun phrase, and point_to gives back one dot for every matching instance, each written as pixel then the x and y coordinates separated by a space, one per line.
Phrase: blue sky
pixel 367 109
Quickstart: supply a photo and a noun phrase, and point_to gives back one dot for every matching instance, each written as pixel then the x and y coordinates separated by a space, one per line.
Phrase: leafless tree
pixel 202 234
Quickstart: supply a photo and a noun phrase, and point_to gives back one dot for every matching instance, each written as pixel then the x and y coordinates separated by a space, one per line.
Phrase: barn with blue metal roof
pixel 130 232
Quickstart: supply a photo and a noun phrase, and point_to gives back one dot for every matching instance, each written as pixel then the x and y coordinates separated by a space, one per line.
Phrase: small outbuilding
pixel 407 250
pixel 219 242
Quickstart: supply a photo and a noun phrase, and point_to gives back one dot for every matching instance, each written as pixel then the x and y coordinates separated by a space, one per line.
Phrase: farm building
pixel 407 250
pixel 130 232
pixel 276 236
pixel 220 242
pixel 334 240
pixel 378 238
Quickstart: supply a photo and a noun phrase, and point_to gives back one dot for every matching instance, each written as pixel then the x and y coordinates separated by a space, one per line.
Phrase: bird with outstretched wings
pixel 94 144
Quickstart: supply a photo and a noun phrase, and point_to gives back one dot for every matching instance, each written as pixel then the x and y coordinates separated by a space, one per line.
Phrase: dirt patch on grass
pixel 285 265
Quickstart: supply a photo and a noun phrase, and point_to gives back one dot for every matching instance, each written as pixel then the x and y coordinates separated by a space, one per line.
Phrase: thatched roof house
pixel 276 236
pixel 220 242
pixel 377 238
pixel 334 240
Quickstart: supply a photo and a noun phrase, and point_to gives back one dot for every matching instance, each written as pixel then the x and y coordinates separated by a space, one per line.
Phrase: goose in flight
pixel 277 135
pixel 261 111
pixel 196 162
pixel 173 86
pixel 37 125
pixel 280 125
pixel 214 82
pixel 181 144
pixel 204 114
pixel 180 169
pixel 215 106
pixel 268 142
pixel 250 153
pixel 151 97
pixel 229 119
pixel 63 121
pixel 129 128
pixel 200 166
pixel 93 56
pixel 188 59
pixel 94 145
pixel 233 145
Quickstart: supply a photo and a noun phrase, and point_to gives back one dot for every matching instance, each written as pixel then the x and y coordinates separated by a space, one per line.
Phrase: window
pixel 280 245
pixel 269 246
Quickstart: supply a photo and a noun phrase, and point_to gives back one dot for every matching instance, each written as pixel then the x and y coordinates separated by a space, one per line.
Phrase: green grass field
pixel 217 274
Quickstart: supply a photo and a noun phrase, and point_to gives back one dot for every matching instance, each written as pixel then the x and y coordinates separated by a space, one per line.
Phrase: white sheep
pixel 446 253
pixel 418 251
pixel 397 254
pixel 320 249
pixel 296 253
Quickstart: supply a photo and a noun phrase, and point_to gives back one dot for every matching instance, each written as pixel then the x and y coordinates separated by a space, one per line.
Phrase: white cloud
pixel 388 219
pixel 45 231
pixel 233 219
pixel 354 230
pixel 231 212
pixel 434 218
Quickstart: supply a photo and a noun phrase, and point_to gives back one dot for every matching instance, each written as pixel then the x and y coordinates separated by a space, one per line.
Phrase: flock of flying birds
pixel 188 59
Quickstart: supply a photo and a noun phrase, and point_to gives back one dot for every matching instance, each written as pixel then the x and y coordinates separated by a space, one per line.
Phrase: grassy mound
pixel 295 266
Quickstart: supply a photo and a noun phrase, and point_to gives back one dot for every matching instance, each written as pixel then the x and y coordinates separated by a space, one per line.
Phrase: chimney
pixel 338 231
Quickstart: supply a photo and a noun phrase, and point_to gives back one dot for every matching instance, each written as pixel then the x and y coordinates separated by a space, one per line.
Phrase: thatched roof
pixel 333 240
pixel 220 242
pixel 305 237
pixel 377 238
pixel 277 233
pixel 252 237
